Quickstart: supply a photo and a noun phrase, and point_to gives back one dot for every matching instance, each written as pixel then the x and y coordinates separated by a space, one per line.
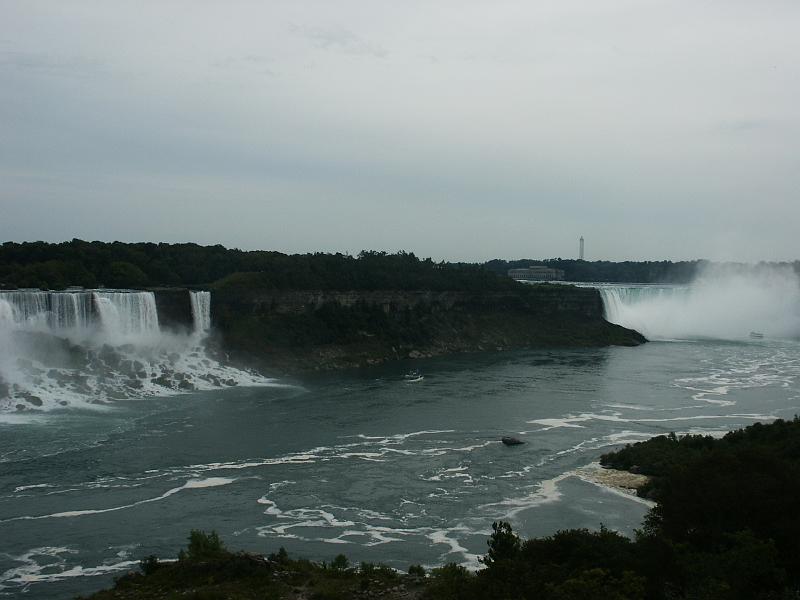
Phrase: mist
pixel 725 302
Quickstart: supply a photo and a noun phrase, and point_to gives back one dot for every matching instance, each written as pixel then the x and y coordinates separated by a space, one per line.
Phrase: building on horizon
pixel 536 273
pixel 580 249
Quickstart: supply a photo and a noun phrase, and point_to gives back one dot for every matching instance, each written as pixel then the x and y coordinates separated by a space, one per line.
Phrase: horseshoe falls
pixel 725 304
pixel 90 348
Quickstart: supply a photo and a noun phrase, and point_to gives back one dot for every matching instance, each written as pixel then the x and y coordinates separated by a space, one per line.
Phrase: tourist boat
pixel 413 376
pixel 756 335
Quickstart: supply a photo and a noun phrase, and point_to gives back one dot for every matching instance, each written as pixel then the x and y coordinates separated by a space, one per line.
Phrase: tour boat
pixel 413 376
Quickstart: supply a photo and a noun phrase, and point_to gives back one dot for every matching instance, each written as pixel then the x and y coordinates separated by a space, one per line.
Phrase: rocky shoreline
pixel 623 482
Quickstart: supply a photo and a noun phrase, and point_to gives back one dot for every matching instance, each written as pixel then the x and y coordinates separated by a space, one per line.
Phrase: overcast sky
pixel 454 129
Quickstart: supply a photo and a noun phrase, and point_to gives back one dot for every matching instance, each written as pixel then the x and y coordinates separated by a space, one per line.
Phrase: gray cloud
pixel 654 129
pixel 339 38
pixel 50 64
pixel 252 62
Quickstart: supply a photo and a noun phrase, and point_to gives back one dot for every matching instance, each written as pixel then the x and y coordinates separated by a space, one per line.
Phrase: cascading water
pixel 720 304
pixel 127 314
pixel 33 309
pixel 93 347
pixel 201 311
pixel 70 310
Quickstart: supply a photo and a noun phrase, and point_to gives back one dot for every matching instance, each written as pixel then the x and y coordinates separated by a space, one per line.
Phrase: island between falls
pixel 297 331
pixel 308 312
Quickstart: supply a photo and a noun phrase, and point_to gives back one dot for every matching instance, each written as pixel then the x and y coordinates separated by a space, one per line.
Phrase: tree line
pixel 122 265
pixel 136 265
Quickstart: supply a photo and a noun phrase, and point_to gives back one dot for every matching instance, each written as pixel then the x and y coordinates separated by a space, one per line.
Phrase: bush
pixel 450 582
pixel 203 546
pixel 149 564
pixel 503 545
pixel 281 557
pixel 340 563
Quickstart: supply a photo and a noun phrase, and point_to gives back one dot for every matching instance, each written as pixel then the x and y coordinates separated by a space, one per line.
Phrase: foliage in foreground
pixel 726 527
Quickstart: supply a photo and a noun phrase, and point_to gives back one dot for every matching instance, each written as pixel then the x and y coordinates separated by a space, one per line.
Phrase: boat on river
pixel 413 377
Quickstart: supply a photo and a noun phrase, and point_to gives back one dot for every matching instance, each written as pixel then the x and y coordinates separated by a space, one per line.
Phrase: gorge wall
pixel 306 330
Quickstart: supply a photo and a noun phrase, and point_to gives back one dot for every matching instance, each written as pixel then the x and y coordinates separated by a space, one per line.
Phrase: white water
pixel 722 303
pixel 127 316
pixel 90 348
pixel 44 311
pixel 201 311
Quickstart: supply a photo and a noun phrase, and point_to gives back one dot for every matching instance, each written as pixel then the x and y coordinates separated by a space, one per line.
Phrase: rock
pixel 511 441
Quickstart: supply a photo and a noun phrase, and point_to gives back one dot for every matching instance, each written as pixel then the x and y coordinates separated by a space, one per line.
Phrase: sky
pixel 459 130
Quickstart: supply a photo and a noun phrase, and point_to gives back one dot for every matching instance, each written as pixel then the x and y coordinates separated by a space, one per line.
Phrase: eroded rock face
pixel 578 301
pixel 307 330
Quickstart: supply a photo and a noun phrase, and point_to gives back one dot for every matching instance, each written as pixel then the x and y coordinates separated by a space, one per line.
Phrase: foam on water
pixel 572 420
pixel 48 564
pixel 189 485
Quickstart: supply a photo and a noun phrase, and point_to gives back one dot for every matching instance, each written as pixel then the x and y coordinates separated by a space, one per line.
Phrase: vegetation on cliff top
pixel 90 264
pixel 726 527
pixel 662 271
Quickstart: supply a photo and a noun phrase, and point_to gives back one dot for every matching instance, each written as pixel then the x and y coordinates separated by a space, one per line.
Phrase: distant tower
pixel 580 249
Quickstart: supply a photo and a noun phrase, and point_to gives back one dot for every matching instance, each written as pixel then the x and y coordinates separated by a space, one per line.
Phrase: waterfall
pixel 84 348
pixel 54 311
pixel 127 314
pixel 70 310
pixel 201 311
pixel 726 304
pixel 628 305
pixel 7 314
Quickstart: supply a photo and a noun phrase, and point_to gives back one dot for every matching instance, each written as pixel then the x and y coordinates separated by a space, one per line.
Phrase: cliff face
pixel 552 300
pixel 302 330
pixel 174 308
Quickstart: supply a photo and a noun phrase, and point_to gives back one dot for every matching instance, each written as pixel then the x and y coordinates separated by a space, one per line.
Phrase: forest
pixel 138 265
pixel 120 265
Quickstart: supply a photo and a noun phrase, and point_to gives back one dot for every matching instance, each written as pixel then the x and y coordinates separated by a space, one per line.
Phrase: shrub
pixel 203 546
pixel 149 564
pixel 281 557
pixel 340 562
pixel 503 545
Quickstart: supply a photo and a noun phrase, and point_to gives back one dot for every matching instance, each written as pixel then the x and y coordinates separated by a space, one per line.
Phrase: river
pixel 363 463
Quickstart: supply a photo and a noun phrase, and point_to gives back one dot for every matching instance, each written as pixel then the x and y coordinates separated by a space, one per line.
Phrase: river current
pixel 363 463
